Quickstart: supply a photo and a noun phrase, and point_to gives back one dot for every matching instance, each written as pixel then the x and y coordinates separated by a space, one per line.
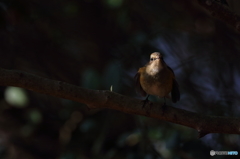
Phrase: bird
pixel 158 79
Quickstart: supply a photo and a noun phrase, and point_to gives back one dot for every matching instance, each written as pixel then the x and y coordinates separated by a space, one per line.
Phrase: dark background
pixel 99 44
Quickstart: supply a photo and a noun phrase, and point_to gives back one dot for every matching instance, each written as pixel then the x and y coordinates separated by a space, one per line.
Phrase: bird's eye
pixel 151 59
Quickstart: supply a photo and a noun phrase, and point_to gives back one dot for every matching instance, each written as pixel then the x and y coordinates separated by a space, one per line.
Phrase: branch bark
pixel 204 124
pixel 221 12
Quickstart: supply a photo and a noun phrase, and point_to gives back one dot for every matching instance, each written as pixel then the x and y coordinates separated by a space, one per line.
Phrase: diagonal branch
pixel 106 99
pixel 221 12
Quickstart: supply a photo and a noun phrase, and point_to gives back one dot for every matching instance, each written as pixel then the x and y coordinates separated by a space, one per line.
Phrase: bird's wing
pixel 170 70
pixel 138 86
pixel 175 92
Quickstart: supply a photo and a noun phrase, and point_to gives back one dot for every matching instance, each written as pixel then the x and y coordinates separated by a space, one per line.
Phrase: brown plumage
pixel 157 78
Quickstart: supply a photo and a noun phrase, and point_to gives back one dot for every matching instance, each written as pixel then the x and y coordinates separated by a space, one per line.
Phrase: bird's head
pixel 156 56
pixel 156 63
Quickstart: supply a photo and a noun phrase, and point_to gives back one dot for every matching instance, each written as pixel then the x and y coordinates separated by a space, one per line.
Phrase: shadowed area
pixel 100 44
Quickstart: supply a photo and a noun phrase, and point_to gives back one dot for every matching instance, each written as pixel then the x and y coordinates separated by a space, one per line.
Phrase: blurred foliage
pixel 16 97
pixel 100 44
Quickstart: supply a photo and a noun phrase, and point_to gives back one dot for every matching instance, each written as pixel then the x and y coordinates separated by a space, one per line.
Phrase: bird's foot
pixel 144 102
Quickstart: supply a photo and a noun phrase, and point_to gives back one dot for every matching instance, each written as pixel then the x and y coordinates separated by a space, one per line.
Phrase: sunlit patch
pixel 16 97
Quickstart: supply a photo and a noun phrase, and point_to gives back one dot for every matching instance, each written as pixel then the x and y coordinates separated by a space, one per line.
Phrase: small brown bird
pixel 157 78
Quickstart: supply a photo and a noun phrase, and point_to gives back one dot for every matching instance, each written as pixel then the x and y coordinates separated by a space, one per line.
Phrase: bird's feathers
pixel 138 86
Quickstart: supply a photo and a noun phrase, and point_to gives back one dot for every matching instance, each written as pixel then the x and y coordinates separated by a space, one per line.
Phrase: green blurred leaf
pixel 35 116
pixel 90 79
pixel 26 130
pixel 71 9
pixel 114 3
pixel 155 133
pixel 87 125
pixel 68 155
pixel 16 96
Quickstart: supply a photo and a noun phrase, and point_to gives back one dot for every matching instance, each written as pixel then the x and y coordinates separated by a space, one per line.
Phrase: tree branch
pixel 106 99
pixel 221 12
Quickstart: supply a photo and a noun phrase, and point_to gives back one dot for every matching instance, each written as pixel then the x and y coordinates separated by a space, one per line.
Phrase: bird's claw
pixel 145 102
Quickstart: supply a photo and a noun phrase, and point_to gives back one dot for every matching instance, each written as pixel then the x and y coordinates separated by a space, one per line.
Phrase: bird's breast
pixel 159 84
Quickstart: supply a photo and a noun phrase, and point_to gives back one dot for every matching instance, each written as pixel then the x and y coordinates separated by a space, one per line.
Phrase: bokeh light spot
pixel 16 97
